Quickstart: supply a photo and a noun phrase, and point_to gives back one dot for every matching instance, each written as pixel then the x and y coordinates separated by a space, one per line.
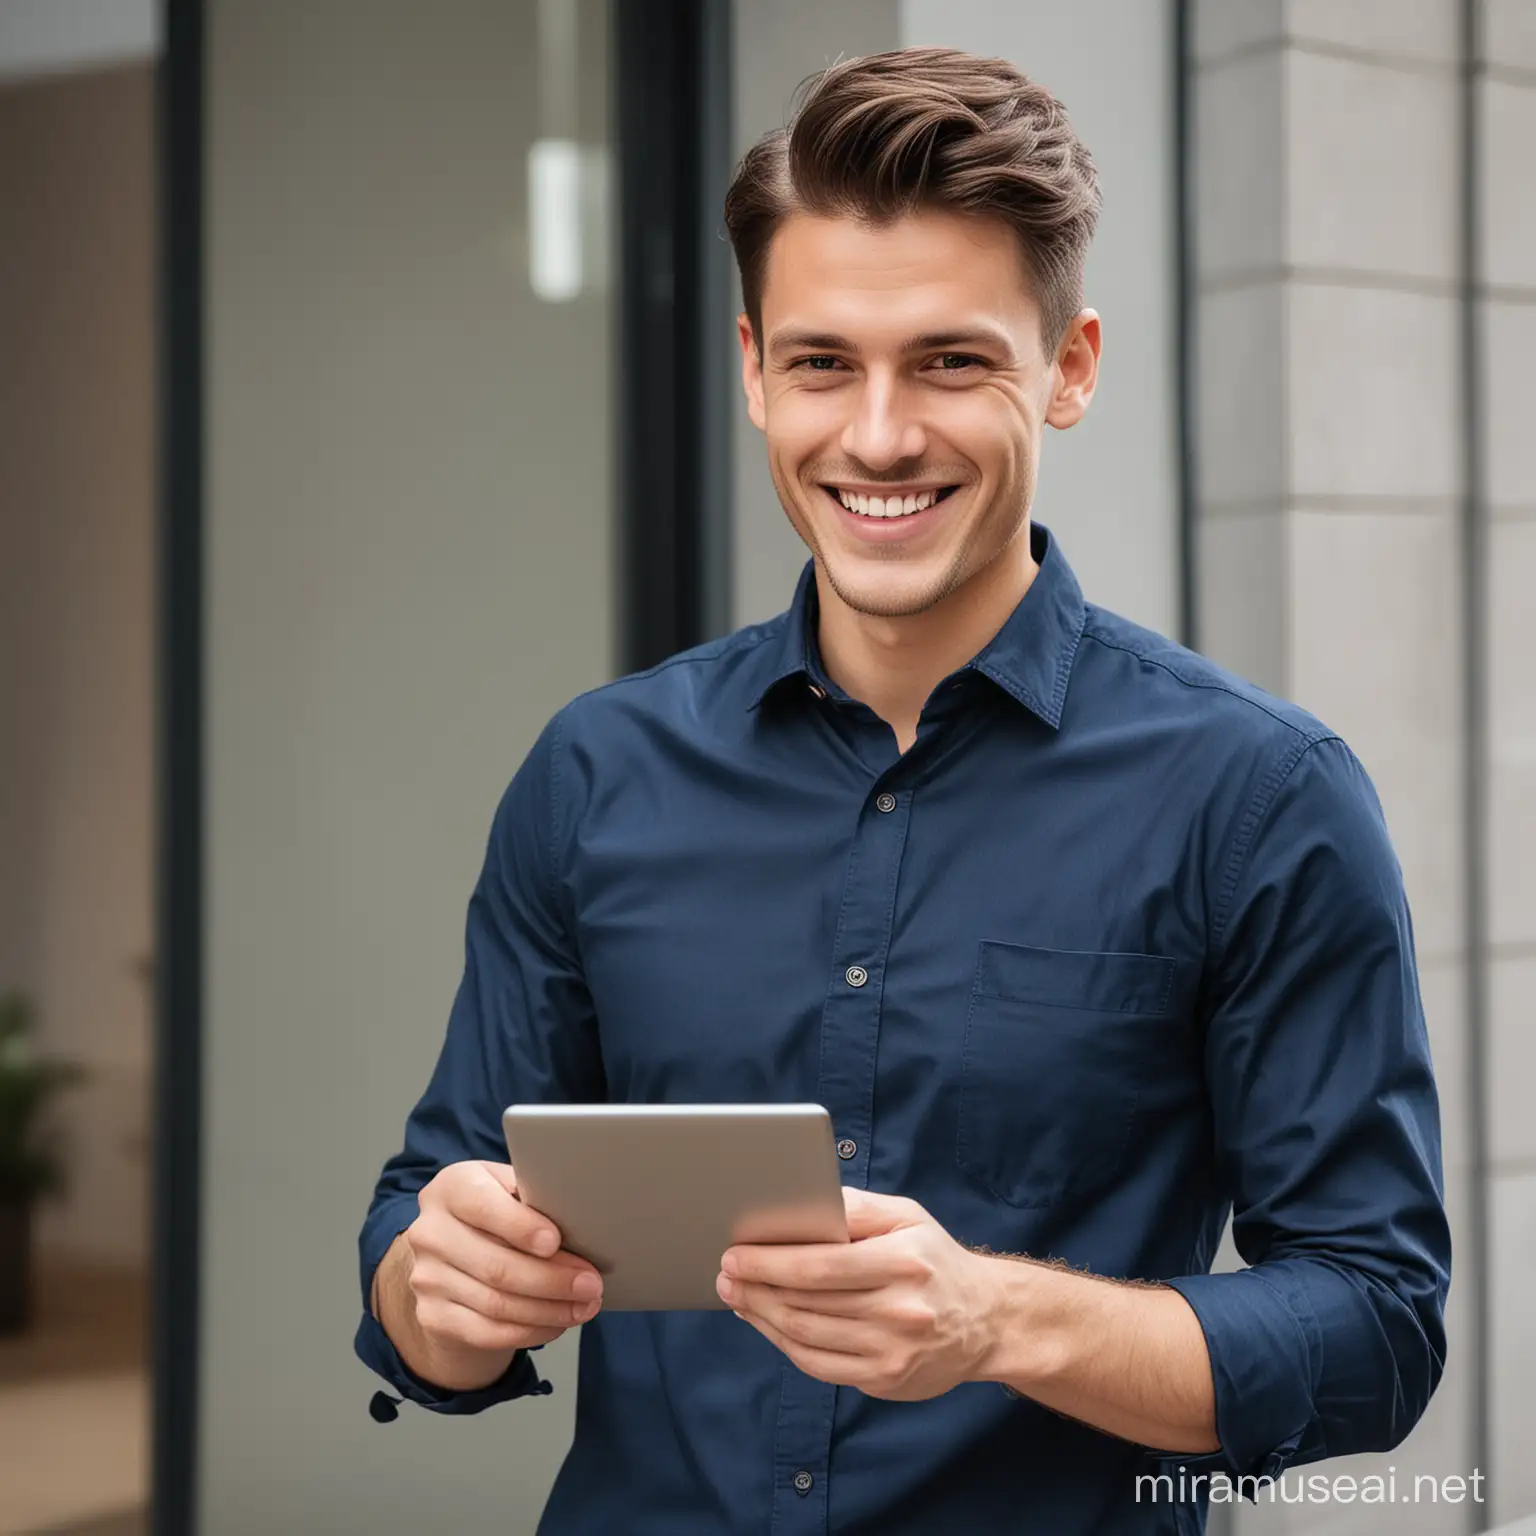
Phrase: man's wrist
pixel 434 1365
pixel 1024 1344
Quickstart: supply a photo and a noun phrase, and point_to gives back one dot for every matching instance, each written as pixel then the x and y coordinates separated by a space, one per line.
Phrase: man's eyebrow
pixel 974 336
pixel 826 341
pixel 810 341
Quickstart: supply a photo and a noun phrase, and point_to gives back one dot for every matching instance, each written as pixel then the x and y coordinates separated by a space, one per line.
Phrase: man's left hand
pixel 901 1311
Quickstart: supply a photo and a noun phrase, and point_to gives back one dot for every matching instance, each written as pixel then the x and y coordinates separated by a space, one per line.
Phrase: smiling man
pixel 1083 942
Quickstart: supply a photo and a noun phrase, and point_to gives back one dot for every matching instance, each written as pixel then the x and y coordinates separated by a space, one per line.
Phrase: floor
pixel 74 1408
pixel 130 1524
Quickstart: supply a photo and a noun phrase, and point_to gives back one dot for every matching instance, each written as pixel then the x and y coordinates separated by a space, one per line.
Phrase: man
pixel 1081 940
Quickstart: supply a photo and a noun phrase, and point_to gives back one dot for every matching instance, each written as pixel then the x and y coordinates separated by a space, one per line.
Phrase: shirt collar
pixel 1030 657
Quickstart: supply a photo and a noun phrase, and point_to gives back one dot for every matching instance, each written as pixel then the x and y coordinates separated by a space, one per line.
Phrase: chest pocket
pixel 1057 1043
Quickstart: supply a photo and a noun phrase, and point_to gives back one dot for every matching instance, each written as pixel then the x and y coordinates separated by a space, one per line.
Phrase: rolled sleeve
pixel 1327 1129
pixel 521 1030
pixel 521 1378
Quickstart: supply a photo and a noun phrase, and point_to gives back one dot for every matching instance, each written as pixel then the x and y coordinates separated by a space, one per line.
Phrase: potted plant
pixel 30 1162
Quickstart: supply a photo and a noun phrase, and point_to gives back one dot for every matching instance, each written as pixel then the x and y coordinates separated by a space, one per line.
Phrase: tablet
pixel 653 1194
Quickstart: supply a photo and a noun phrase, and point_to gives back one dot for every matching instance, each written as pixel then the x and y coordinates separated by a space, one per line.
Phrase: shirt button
pixel 803 1483
pixel 886 803
pixel 846 1148
pixel 856 975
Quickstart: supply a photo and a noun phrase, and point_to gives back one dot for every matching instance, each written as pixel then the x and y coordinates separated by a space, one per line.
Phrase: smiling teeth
pixel 888 506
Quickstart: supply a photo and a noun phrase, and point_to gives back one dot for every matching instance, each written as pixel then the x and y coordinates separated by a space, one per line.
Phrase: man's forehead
pixel 975 332
pixel 928 273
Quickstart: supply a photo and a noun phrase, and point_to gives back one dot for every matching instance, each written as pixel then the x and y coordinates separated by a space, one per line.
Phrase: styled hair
pixel 891 134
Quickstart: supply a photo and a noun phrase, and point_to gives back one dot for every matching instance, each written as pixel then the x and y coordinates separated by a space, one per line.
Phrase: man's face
pixel 903 367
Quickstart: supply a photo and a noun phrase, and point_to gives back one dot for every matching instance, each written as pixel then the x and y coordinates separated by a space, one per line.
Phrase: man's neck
pixel 892 665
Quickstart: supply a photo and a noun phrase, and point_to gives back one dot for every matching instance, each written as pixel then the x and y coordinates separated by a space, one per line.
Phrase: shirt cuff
pixel 386 1221
pixel 376 1350
pixel 1265 1351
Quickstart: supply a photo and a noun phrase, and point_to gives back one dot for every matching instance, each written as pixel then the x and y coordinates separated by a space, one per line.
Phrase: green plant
pixel 30 1160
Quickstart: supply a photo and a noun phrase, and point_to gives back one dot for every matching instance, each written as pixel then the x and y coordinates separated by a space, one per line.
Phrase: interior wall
pixel 408 571
pixel 77 491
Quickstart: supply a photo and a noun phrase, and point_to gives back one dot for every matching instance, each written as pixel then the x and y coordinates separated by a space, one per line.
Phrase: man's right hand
pixel 476 1277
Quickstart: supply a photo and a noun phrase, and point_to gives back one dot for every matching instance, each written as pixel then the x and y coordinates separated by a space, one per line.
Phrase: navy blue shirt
pixel 1119 944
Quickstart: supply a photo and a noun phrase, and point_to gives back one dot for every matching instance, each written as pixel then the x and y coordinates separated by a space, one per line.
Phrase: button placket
pixel 845 1083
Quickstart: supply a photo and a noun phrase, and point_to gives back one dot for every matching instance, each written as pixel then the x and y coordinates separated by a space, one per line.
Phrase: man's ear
pixel 751 372
pixel 1076 370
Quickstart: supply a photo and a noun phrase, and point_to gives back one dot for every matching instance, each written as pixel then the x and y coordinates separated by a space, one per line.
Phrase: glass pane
pixel 408 572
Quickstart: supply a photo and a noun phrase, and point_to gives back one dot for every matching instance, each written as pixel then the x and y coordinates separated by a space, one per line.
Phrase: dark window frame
pixel 673 135
pixel 177 1189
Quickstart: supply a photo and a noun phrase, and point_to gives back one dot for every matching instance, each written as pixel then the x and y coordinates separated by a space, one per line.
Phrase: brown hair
pixel 896 133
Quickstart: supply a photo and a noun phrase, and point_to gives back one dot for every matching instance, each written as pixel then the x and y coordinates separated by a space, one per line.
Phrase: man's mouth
pixel 895 503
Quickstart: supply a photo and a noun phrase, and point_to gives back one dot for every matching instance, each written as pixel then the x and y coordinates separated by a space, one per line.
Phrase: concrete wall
pixel 77 489
pixel 408 571
pixel 1332 502
pixel 1109 486
pixel 1508 123
pixel 1111 62
pixel 1329 482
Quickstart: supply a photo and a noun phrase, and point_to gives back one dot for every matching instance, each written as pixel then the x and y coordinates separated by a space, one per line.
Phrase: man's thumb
pixel 503 1174
pixel 870 1215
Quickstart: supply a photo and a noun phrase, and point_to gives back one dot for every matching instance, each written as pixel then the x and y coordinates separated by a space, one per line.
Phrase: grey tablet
pixel 653 1194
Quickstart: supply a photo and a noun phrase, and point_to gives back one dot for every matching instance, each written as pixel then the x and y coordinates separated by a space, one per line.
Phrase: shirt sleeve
pixel 521 1030
pixel 1327 1130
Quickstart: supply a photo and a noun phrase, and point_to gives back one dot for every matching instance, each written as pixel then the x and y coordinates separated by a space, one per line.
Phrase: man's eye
pixel 955 362
pixel 822 363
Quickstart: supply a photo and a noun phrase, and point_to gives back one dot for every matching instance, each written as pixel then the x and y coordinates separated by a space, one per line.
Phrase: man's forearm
pixel 1128 1359
pixel 394 1305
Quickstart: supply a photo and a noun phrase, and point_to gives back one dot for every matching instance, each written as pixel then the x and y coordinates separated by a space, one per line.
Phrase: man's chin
pixel 893 594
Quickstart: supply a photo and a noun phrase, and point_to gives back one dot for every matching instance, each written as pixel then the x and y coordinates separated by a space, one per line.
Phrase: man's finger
pixel 504 1174
pixel 450 1284
pixel 835 1369
pixel 449 1319
pixel 504 1268
pixel 835 1333
pixel 870 1214
pixel 845 1304
pixel 860 1266
pixel 485 1202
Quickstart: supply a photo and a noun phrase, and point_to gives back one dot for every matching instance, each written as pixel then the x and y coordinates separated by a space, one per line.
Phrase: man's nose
pixel 882 430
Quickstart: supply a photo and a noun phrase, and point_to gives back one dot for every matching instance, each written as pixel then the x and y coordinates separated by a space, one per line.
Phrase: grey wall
pixel 1333 505
pixel 408 571
pixel 77 490
pixel 1108 487
pixel 1508 122
pixel 1329 481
